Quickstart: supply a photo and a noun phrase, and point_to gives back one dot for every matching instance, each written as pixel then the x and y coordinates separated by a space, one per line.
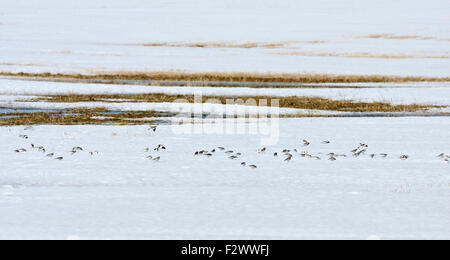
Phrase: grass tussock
pixel 226 77
pixel 310 103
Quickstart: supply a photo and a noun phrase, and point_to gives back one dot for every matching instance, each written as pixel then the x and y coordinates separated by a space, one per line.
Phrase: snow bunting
pixel 404 157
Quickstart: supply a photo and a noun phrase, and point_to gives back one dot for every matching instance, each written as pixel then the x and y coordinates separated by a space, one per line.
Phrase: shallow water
pixel 27 110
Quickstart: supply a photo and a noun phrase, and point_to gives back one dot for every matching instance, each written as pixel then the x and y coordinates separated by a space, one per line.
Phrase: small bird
pixel 363 145
pixel 50 155
pixel 441 155
pixel 354 150
pixel 372 155
pixel 446 161
pixel 209 154
pixel 92 153
pixel 152 128
pixel 253 166
pixel 157 159
pixel 238 154
pixel 21 150
pixel 229 152
pixel 147 150
pixel 160 147
pixel 326 142
pixel 316 158
pixel 59 158
pixel 233 157
pixel 384 155
pixel 76 149
pixel 286 151
pixel 360 152
pixel 149 157
pixel 262 150
pixel 213 150
pixel 404 157
pixel 243 164
pixel 221 148
pixel 288 158
pixel 196 153
pixel 332 158
pixel 306 143
pixel 23 136
pixel 275 154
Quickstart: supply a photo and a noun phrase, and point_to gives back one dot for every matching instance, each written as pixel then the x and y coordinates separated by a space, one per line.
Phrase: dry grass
pixel 310 103
pixel 82 116
pixel 227 45
pixel 315 42
pixel 21 64
pixel 359 55
pixel 101 115
pixel 227 77
pixel 391 36
pixel 232 45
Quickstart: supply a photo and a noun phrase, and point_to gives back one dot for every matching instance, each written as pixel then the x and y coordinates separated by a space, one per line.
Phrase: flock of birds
pixel 159 148
pixel 288 154
pixel 231 155
pixel 43 150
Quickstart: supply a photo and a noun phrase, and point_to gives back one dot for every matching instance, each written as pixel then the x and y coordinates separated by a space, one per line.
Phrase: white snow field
pixel 118 193
pixel 111 189
pixel 402 37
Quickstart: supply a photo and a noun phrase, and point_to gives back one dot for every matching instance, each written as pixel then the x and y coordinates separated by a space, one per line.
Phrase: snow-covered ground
pixel 116 192
pixel 324 36
pixel 121 194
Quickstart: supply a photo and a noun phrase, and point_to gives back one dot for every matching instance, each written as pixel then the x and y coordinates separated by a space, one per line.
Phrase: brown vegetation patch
pixel 227 77
pixel 392 36
pixel 310 103
pixel 359 55
pixel 232 45
pixel 21 64
pixel 80 116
